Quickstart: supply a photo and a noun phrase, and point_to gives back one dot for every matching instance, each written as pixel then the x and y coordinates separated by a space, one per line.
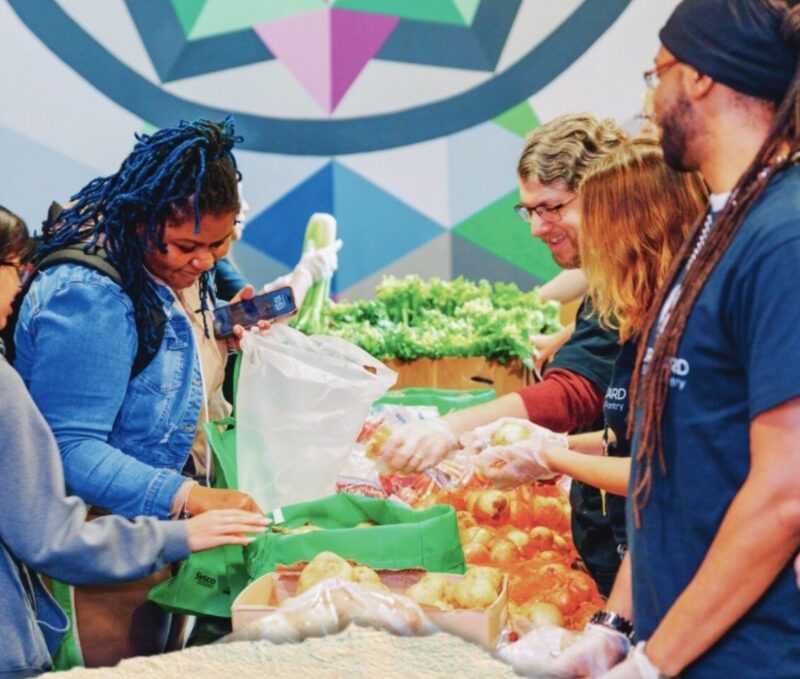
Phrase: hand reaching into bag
pixel 224 527
pixel 418 446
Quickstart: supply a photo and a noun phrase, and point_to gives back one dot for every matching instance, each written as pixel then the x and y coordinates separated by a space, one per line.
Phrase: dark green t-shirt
pixel 591 352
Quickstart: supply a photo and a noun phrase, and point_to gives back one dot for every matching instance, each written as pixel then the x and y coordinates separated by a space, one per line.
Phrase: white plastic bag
pixel 331 606
pixel 300 405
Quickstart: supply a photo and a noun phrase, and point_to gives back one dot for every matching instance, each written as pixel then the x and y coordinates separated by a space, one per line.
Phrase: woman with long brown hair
pixel 636 213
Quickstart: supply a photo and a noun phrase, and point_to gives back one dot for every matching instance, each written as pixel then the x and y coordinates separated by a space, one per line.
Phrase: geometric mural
pixel 403 118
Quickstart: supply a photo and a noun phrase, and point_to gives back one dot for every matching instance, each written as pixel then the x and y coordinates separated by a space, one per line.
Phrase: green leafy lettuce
pixel 413 318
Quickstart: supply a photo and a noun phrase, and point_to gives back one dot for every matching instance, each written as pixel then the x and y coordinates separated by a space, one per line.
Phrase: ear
pixel 697 84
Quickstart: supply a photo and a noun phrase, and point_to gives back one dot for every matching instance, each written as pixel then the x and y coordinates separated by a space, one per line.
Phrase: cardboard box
pixel 461 373
pixel 262 596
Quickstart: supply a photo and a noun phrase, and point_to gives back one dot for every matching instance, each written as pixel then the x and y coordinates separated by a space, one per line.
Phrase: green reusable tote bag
pixel 401 537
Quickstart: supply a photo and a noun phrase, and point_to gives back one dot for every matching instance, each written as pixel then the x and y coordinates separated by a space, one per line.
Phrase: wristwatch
pixel 613 621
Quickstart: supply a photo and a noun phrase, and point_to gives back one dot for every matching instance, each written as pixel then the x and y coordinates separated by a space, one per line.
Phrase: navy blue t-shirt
pixel 739 357
pixel 615 409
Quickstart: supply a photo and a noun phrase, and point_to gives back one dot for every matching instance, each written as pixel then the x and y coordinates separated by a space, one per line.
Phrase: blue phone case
pixel 248 312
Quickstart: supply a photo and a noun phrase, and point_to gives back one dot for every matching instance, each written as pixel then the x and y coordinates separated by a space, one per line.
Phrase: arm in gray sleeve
pixel 47 530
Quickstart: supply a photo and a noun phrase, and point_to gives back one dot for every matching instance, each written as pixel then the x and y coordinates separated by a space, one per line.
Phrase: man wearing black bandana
pixel 714 509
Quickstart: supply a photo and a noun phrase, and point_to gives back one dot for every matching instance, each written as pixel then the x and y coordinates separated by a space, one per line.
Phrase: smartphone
pixel 248 312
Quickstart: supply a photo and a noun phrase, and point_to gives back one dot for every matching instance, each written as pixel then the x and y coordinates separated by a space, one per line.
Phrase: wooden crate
pixel 461 373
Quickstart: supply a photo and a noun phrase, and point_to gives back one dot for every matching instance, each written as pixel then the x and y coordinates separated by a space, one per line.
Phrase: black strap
pixel 97 259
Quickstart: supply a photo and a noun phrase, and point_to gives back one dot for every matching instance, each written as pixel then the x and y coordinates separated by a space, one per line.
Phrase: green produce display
pixel 414 318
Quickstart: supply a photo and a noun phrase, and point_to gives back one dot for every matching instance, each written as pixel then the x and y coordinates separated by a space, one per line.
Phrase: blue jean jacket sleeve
pixel 76 344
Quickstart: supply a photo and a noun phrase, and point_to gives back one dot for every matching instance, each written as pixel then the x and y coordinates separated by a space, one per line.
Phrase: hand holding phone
pixel 267 306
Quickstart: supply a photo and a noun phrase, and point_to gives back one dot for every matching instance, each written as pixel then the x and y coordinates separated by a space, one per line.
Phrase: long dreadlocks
pixel 780 149
pixel 170 176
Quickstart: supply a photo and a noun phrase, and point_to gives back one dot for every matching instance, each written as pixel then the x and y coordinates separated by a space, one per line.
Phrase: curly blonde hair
pixel 636 213
pixel 566 148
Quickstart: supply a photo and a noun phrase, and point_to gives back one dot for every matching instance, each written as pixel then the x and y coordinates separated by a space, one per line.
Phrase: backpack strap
pixel 97 259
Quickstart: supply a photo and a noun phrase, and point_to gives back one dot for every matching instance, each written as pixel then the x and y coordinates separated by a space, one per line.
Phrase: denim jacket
pixel 123 442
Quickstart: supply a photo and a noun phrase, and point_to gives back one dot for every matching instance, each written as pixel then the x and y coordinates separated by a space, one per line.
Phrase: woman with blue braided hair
pixel 124 371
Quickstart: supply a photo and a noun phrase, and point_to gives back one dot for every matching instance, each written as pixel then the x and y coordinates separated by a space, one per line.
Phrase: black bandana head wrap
pixel 736 42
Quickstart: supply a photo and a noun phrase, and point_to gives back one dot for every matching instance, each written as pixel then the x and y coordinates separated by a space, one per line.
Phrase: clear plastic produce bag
pixel 301 402
pixel 330 606
pixel 534 653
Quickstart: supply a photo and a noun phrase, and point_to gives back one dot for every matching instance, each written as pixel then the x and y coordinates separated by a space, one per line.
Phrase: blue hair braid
pixel 169 176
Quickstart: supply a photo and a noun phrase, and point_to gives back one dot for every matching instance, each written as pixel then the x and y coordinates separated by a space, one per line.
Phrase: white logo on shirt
pixel 679 367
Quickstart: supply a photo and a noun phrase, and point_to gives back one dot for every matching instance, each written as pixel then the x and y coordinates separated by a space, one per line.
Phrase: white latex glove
pixel 320 264
pixel 417 446
pixel 532 654
pixel 598 650
pixel 512 428
pixel 280 282
pixel 637 666
pixel 514 465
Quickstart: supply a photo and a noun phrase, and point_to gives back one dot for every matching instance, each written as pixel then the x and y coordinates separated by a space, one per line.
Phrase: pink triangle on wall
pixel 357 37
pixel 326 50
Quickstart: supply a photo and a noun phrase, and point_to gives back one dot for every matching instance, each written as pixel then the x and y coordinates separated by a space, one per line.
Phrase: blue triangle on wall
pixel 376 227
pixel 279 230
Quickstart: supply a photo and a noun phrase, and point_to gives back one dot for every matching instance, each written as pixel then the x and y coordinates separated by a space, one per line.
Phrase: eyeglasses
pixel 550 214
pixel 23 270
pixel 653 77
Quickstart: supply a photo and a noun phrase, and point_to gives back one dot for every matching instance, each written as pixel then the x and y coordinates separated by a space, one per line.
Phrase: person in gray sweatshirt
pixel 42 531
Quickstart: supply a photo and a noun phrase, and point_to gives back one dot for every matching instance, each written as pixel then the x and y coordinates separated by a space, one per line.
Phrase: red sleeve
pixel 563 401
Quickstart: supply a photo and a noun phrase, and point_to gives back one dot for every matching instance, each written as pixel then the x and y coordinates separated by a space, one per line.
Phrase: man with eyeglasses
pixel 714 508
pixel 554 161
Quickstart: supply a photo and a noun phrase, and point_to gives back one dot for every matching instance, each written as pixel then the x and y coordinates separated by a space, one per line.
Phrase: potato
pixel 510 433
pixel 429 594
pixel 324 566
pixel 474 593
pixel 493 575
pixel 368 577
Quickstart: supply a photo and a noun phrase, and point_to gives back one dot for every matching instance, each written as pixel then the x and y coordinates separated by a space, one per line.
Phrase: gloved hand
pixel 507 431
pixel 598 649
pixel 532 654
pixel 320 264
pixel 514 465
pixel 636 666
pixel 418 446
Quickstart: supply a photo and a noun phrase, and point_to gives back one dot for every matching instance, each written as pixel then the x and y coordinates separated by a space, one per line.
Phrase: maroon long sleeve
pixel 563 401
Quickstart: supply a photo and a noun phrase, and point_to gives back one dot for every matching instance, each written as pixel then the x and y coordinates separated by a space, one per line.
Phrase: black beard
pixel 677 127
